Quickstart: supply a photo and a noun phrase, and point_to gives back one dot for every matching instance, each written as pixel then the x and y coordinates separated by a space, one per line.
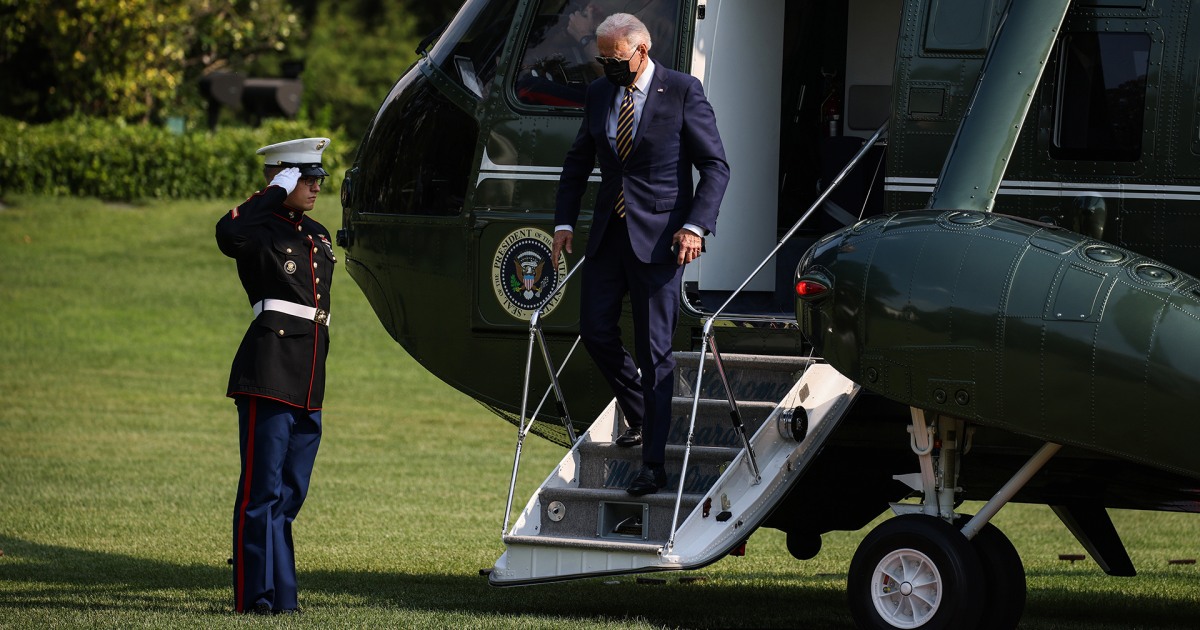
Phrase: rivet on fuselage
pixel 962 397
pixel 939 396
pixel 872 374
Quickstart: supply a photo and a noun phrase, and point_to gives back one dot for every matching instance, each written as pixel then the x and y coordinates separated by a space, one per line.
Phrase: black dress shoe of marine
pixel 631 437
pixel 648 480
pixel 261 609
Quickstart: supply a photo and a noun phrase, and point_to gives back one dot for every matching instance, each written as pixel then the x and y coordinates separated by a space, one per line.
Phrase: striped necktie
pixel 624 140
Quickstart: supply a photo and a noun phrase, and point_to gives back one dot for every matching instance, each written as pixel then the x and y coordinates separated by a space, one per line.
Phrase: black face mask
pixel 619 74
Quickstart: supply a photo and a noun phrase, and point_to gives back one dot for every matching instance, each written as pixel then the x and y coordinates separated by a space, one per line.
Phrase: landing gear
pixel 916 571
pixel 1003 579
pixel 922 569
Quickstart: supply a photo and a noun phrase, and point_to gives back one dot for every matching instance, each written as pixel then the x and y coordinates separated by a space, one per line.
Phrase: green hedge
pixel 117 161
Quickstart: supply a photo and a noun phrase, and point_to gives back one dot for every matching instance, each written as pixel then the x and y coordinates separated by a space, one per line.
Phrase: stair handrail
pixel 812 208
pixel 709 338
pixel 536 335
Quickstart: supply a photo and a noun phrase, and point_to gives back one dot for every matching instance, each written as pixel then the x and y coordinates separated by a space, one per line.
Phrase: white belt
pixel 291 308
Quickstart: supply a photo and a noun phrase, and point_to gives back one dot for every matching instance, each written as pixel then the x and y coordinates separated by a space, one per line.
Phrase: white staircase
pixel 581 522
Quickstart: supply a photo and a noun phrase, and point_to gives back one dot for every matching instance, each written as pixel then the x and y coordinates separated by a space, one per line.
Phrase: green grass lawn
pixel 118 465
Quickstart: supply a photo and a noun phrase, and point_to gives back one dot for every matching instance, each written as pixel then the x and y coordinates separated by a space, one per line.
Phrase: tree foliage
pixel 141 60
pixel 352 59
pixel 125 59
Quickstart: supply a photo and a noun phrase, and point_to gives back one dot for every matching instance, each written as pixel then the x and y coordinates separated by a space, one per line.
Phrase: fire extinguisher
pixel 831 107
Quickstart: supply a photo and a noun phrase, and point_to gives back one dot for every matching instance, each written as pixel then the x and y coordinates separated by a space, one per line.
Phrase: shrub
pixel 118 161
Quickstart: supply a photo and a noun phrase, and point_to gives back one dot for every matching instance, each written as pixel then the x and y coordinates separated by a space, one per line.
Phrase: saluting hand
pixel 286 179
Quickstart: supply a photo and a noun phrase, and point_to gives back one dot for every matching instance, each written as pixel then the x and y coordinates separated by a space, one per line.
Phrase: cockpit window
pixel 471 46
pixel 558 61
pixel 1101 96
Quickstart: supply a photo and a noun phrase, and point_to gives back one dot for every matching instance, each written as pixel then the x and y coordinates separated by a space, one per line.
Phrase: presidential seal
pixel 522 275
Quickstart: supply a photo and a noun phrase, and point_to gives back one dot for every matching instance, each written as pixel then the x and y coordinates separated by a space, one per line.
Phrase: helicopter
pixel 954 265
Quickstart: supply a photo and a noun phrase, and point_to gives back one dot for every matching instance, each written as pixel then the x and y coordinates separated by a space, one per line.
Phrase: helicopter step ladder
pixel 581 523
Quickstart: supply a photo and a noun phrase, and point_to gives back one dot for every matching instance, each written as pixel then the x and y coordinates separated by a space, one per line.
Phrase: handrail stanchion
pixel 687 449
pixel 535 333
pixel 522 430
pixel 710 337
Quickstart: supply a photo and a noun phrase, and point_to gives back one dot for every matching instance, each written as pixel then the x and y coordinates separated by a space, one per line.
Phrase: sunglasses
pixel 312 181
pixel 609 61
pixel 612 61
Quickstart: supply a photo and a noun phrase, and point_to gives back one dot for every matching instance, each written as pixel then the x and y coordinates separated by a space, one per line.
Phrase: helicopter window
pixel 1101 96
pixel 471 46
pixel 559 58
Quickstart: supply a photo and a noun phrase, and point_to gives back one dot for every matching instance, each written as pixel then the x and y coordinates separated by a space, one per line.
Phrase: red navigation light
pixel 809 287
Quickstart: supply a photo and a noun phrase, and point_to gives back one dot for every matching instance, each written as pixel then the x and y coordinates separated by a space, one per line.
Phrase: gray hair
pixel 624 27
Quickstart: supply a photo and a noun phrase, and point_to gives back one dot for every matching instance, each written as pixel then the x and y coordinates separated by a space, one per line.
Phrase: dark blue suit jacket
pixel 677 131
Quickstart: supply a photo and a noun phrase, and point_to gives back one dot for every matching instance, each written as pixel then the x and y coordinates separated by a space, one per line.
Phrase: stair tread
pixel 760 361
pixel 721 402
pixel 593 543
pixel 664 497
pixel 698 451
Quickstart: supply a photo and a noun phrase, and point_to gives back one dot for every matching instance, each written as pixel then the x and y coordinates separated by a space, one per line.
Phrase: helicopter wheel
pixel 916 571
pixel 1003 578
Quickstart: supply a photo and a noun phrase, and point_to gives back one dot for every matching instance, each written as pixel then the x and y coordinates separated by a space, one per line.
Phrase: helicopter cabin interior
pixel 821 87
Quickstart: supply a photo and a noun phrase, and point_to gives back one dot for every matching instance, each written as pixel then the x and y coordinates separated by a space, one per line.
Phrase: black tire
pixel 1003 578
pixel 934 557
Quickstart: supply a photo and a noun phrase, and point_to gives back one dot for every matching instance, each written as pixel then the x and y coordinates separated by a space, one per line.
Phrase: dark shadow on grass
pixel 75 579
pixel 54 577
pixel 714 602
pixel 68 578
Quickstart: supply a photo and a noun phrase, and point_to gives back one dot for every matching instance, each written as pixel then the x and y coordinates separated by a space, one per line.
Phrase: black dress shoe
pixel 261 609
pixel 648 480
pixel 631 437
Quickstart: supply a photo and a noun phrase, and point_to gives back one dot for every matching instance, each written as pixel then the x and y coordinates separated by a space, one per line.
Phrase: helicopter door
pixel 529 124
pixel 741 78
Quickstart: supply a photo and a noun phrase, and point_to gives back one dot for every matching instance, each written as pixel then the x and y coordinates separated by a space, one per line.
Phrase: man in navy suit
pixel 648 126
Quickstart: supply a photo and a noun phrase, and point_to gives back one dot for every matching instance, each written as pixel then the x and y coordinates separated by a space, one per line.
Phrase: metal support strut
pixel 535 335
pixel 735 415
pixel 1010 489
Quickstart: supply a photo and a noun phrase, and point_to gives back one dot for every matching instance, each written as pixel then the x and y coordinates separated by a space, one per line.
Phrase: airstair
pixel 744 429
pixel 582 523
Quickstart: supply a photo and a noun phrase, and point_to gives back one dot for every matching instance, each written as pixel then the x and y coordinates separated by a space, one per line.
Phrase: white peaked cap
pixel 304 154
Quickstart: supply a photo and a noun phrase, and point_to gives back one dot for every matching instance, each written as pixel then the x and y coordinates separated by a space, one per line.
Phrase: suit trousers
pixel 610 274
pixel 278 446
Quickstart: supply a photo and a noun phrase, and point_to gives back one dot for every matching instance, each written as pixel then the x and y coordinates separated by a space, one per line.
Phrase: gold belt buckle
pixel 322 317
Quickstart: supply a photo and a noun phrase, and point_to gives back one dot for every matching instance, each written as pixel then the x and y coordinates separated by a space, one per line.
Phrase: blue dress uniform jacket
pixel 284 255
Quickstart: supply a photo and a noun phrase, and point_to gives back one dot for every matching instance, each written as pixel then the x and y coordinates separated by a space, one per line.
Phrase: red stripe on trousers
pixel 239 605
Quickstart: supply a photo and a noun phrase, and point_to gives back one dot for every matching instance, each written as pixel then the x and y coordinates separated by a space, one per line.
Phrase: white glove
pixel 286 179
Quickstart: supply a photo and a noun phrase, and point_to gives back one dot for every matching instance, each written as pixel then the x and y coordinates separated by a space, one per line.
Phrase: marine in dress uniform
pixel 285 261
